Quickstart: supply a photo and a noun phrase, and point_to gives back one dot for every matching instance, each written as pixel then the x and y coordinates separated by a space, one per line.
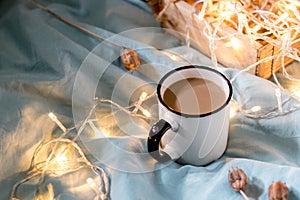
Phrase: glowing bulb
pixel 143 96
pixel 145 112
pixel 174 57
pixel 256 28
pixel 61 160
pixel 53 117
pixel 200 16
pixel 234 43
pixel 105 132
pixel 139 103
pixel 226 14
pixel 226 9
pixel 59 165
pixel 284 16
pixel 90 181
pixel 227 6
pixel 139 107
pixel 255 108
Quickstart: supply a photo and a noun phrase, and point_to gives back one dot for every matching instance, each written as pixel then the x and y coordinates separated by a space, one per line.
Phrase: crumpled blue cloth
pixel 48 66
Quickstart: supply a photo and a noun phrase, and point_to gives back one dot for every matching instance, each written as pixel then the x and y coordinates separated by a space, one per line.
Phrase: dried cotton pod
pixel 238 180
pixel 130 59
pixel 278 191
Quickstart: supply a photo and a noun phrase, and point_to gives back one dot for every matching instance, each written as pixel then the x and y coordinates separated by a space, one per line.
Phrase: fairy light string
pixel 264 22
pixel 65 156
pixel 273 22
pixel 131 110
pixel 269 21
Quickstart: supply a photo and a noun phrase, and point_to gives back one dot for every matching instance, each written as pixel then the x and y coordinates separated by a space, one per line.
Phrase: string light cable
pixel 264 21
pixel 65 157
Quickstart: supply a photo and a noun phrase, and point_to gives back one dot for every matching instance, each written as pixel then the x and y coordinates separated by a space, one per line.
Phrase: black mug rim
pixel 189 67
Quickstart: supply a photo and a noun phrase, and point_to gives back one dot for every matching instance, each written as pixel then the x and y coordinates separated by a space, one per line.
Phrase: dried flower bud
pixel 278 191
pixel 238 180
pixel 130 59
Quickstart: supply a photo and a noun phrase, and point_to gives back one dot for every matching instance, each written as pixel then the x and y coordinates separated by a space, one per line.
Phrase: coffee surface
pixel 194 96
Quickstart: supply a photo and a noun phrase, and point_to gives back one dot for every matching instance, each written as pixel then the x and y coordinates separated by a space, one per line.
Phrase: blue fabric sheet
pixel 48 66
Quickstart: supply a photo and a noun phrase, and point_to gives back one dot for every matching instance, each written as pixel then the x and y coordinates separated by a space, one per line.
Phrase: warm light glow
pixel 140 101
pixel 264 22
pixel 52 116
pixel 145 112
pixel 61 160
pixel 174 57
pixel 256 28
pixel 226 9
pixel 284 16
pixel 255 108
pixel 143 96
pixel 59 165
pixel 139 107
pixel 227 14
pixel 90 181
pixel 57 157
pixel 104 132
pixel 233 110
pixel 97 133
pixel 234 43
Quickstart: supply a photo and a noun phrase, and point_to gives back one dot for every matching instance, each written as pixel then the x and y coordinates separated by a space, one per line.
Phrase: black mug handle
pixel 156 133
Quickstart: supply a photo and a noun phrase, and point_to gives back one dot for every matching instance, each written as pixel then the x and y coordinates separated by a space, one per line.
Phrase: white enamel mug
pixel 196 139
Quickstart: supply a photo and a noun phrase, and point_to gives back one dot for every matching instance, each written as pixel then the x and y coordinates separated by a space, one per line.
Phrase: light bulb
pixel 145 112
pixel 255 108
pixel 234 43
pixel 53 117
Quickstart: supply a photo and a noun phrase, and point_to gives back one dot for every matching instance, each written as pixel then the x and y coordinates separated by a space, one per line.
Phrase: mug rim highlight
pixel 196 67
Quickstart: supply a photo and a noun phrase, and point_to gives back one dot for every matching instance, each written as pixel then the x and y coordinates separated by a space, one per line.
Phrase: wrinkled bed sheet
pixel 48 66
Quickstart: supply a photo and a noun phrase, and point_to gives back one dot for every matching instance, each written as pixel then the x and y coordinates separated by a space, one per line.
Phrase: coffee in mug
pixel 193 116
pixel 194 96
